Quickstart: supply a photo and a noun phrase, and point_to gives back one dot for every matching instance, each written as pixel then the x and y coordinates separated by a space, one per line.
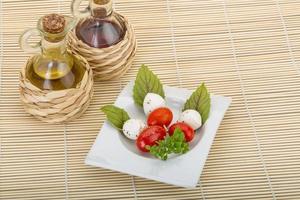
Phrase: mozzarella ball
pixel 192 118
pixel 153 101
pixel 132 128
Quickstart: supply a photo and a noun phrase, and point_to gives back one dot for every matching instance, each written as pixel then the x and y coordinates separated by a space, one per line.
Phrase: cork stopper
pixel 54 23
pixel 101 8
pixel 101 2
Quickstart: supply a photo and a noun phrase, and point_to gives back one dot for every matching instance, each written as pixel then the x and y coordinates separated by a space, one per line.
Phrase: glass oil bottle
pixel 53 68
pixel 100 26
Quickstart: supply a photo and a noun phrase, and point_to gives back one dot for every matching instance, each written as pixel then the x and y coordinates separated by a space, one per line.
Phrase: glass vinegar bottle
pixel 53 68
pixel 100 26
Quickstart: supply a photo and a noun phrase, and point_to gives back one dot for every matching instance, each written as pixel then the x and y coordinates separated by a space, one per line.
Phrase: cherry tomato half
pixel 161 117
pixel 188 131
pixel 149 137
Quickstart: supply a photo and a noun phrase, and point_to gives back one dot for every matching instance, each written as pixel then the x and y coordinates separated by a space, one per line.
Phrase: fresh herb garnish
pixel 200 101
pixel 171 144
pixel 146 81
pixel 116 116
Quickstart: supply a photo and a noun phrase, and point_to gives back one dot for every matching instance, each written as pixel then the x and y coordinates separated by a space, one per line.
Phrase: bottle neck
pixel 101 8
pixel 54 48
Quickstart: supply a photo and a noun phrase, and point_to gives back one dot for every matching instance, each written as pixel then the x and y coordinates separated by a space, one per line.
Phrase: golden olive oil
pixel 55 74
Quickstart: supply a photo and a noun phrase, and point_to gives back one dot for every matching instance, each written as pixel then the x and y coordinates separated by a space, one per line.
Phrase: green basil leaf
pixel 171 144
pixel 146 81
pixel 116 116
pixel 200 101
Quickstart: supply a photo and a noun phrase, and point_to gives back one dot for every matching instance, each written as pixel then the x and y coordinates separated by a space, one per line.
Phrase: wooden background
pixel 246 49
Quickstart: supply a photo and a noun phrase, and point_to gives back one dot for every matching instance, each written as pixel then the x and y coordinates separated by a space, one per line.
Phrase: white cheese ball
pixel 132 128
pixel 153 101
pixel 192 118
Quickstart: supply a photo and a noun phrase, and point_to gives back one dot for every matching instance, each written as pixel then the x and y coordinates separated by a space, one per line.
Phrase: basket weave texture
pixel 60 105
pixel 111 62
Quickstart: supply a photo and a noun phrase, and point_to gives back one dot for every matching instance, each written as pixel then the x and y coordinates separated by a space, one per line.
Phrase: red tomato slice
pixel 160 117
pixel 188 131
pixel 149 137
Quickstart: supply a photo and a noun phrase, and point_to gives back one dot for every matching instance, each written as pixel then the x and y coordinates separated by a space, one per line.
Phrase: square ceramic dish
pixel 112 150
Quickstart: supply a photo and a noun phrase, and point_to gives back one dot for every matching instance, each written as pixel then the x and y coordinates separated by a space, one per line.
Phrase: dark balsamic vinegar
pixel 99 33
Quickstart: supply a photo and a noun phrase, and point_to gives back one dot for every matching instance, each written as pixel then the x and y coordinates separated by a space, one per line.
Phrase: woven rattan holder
pixel 111 62
pixel 57 106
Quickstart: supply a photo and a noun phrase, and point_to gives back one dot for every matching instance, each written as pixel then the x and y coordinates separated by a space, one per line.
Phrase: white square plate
pixel 114 151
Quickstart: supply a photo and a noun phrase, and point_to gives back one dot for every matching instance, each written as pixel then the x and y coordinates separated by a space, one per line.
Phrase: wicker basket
pixel 57 106
pixel 111 62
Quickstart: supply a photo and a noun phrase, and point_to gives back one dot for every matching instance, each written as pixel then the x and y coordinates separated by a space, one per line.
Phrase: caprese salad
pixel 157 135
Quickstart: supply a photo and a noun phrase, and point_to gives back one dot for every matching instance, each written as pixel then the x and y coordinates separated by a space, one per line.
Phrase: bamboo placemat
pixel 246 49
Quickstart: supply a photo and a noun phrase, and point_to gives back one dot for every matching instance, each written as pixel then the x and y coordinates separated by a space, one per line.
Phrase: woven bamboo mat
pixel 246 49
